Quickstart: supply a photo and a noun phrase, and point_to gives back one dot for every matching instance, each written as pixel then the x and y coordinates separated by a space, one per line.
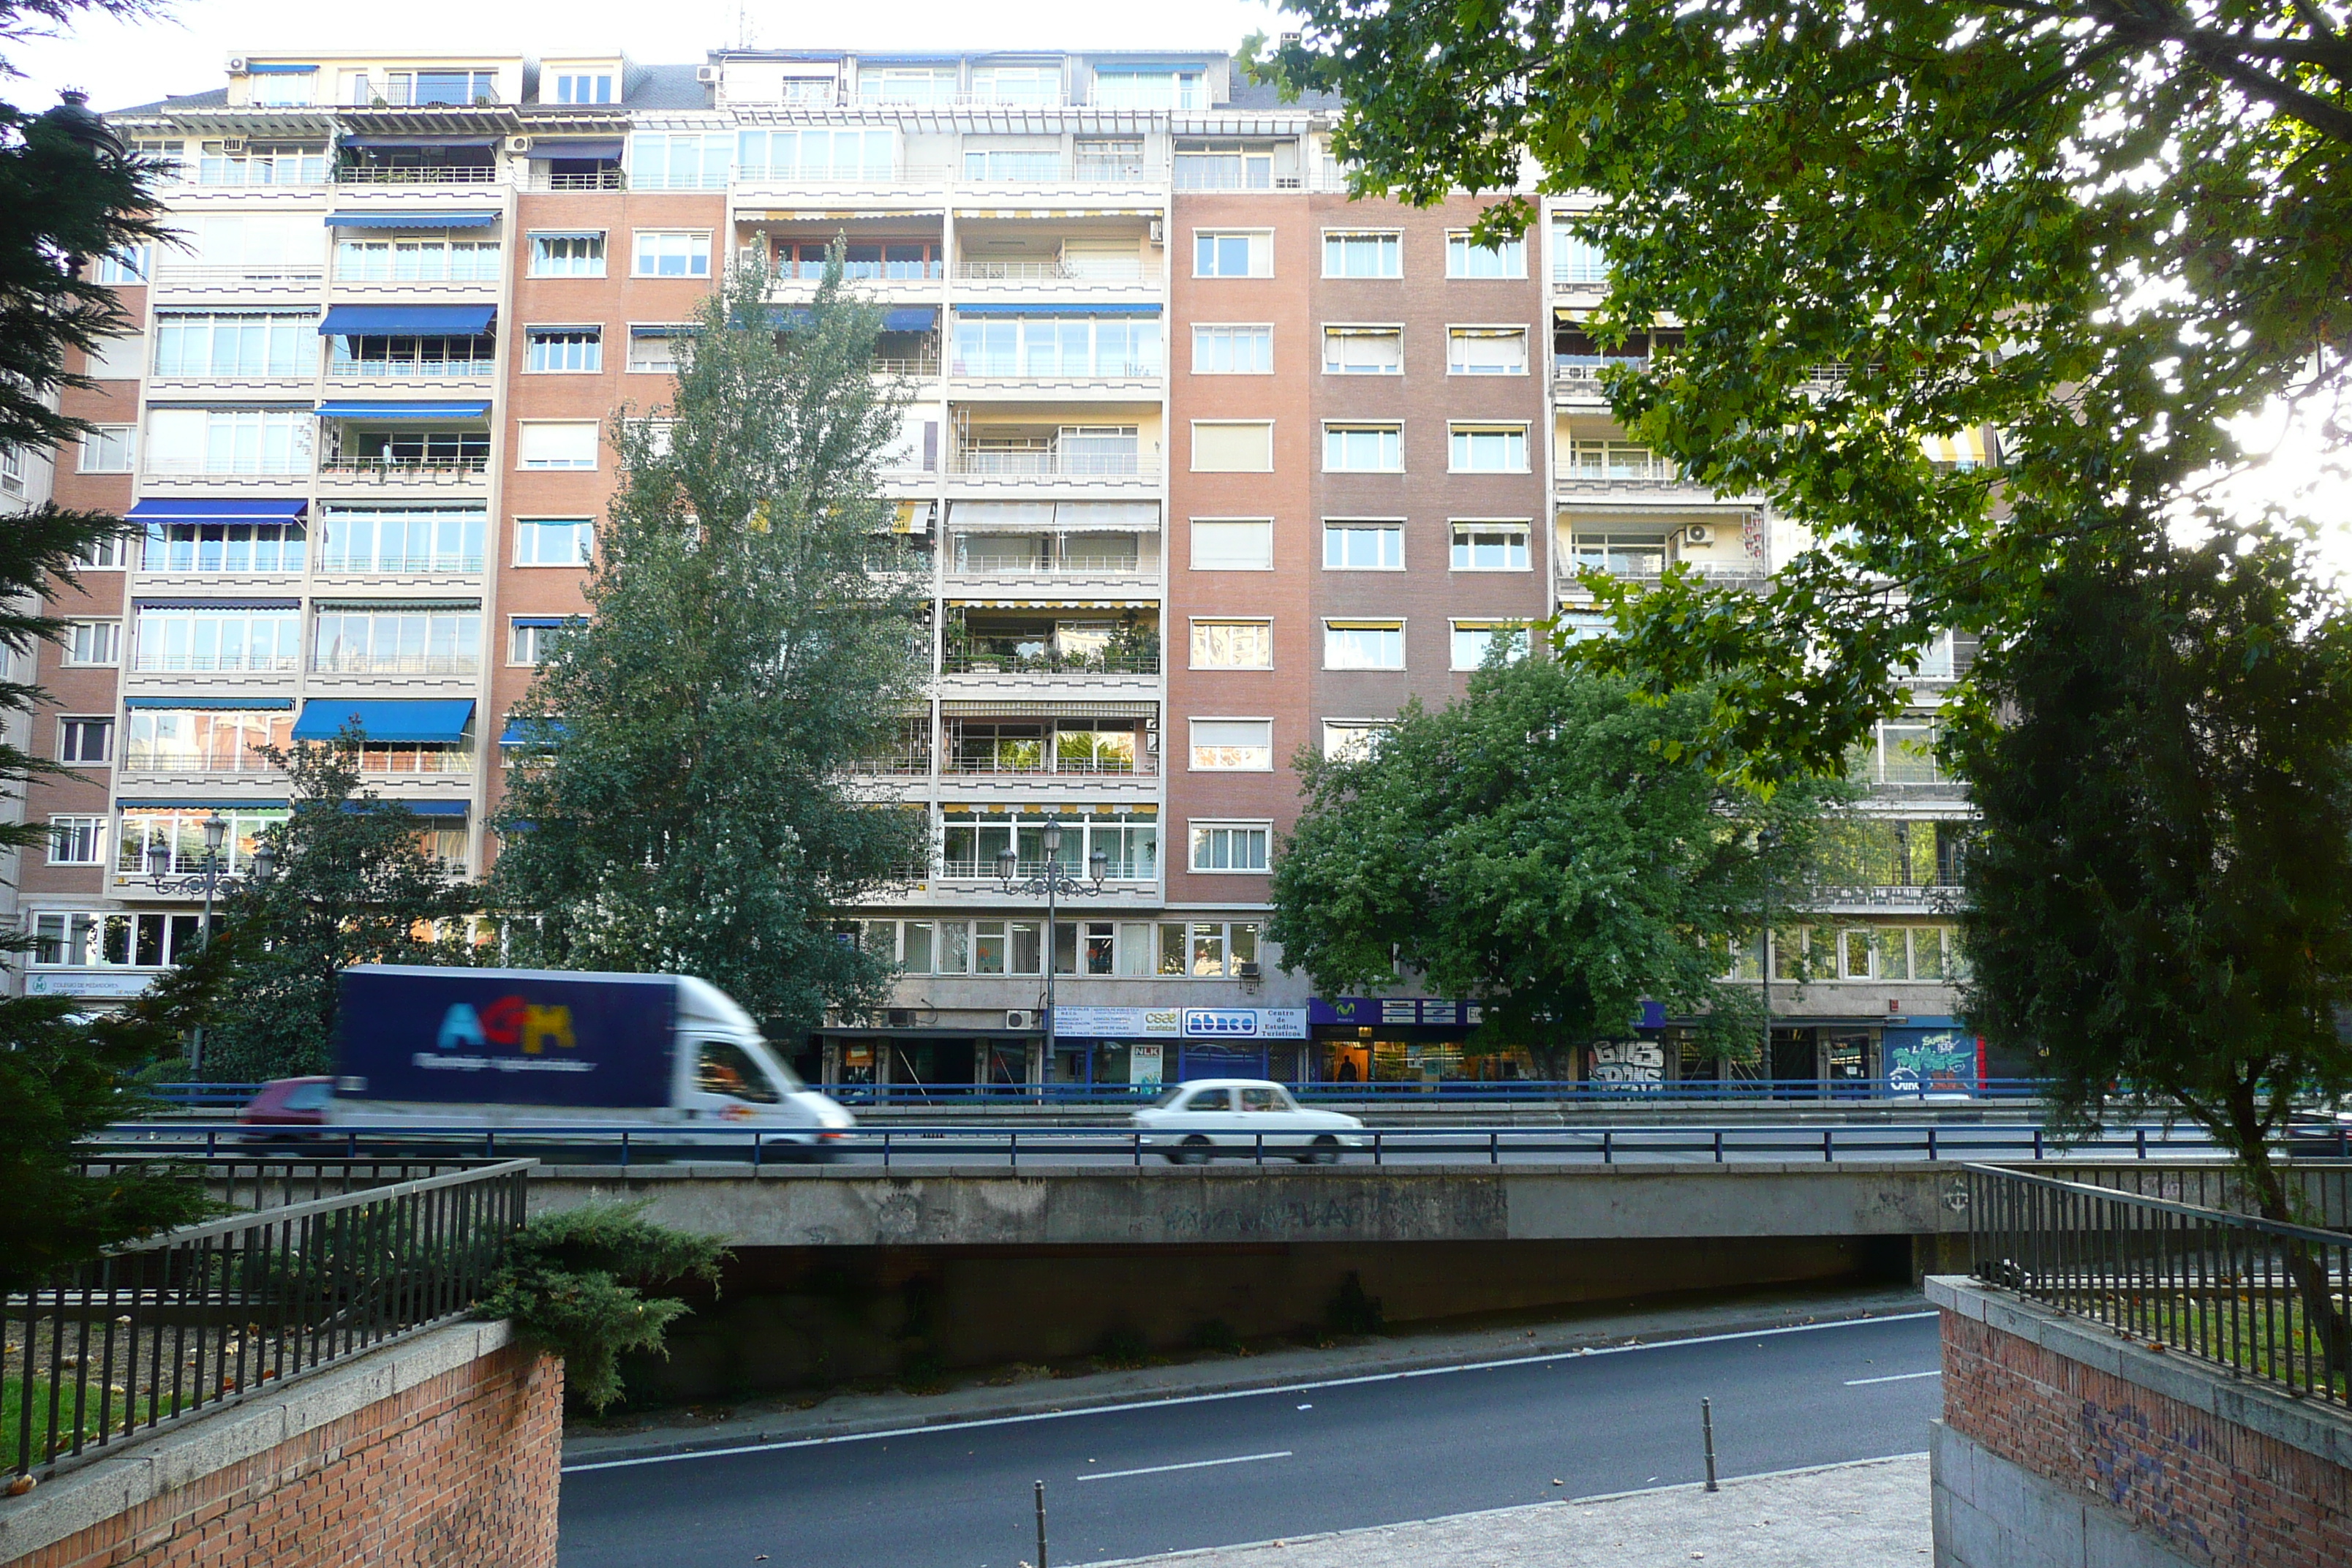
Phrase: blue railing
pixel 592 1142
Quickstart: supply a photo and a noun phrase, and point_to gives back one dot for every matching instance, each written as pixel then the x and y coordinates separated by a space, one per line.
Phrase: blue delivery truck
pixel 525 1048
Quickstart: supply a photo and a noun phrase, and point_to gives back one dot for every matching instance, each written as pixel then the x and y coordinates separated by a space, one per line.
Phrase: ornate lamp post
pixel 212 876
pixel 1052 882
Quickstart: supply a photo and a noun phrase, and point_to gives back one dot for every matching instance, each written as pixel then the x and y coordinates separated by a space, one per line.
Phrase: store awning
pixel 546 152
pixel 415 220
pixel 441 723
pixel 178 509
pixel 407 320
pixel 229 704
pixel 390 410
pixel 910 319
pixel 1057 309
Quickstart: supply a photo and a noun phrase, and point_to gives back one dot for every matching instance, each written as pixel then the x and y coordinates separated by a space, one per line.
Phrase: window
pixel 183 828
pixel 403 538
pixel 553 542
pixel 549 444
pixel 1474 640
pixel 1490 547
pixel 653 350
pixel 1230 845
pixel 1233 351
pixel 1364 449
pixel 1364 644
pixel 229 440
pixel 1486 351
pixel 1374 254
pixel 85 740
pixel 1464 259
pixel 1234 446
pixel 106 939
pixel 93 642
pixel 1233 645
pixel 1233 746
pixel 255 638
pixel 672 253
pixel 277 344
pixel 215 547
pixel 110 449
pixel 398 639
pixel 583 86
pixel 1229 253
pixel 1363 351
pixel 1363 547
pixel 1207 950
pixel 567 255
pixel 680 160
pixel 1233 544
pixel 852 153
pixel 528 637
pixel 1575 260
pixel 120 268
pixel 1488 448
pixel 1149 89
pixel 77 841
pixel 565 349
pixel 1353 739
pixel 204 740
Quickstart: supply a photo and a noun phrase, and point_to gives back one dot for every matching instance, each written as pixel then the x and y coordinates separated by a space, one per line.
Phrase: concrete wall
pixel 2064 1446
pixel 441 1449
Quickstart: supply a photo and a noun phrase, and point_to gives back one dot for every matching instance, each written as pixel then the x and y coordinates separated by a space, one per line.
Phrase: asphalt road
pixel 1224 1468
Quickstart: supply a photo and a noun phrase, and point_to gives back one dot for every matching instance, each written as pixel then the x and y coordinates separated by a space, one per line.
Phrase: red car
pixel 289 1102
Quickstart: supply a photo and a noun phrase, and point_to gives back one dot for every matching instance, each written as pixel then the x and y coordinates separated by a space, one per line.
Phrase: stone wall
pixel 441 1449
pixel 2063 1445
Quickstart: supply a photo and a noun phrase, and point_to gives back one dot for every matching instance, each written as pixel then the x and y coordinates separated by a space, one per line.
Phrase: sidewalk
pixel 1028 1391
pixel 1870 1514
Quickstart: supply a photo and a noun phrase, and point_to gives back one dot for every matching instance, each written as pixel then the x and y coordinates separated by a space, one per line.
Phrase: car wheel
pixel 1324 1152
pixel 1193 1151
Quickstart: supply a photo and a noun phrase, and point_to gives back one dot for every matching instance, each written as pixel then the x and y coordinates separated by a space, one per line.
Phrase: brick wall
pixel 460 1468
pixel 2212 1489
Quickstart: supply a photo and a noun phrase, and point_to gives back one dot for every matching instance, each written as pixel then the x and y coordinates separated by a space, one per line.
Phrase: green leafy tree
pixel 691 809
pixel 1549 846
pixel 2160 890
pixel 2108 230
pixel 353 883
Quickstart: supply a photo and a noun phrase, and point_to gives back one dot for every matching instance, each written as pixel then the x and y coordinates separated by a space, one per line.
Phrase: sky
pixel 186 50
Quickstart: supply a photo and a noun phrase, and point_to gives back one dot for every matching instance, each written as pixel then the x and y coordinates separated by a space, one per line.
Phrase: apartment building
pixel 1205 463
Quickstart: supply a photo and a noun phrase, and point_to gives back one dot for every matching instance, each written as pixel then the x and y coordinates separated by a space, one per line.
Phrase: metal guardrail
pixel 624 1144
pixel 2257 1298
pixel 102 1352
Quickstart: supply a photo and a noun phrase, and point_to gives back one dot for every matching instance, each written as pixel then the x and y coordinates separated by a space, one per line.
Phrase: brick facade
pixel 2212 1489
pixel 459 1468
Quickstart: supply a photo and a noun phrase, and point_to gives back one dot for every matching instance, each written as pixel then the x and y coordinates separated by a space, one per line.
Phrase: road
pixel 1218 1470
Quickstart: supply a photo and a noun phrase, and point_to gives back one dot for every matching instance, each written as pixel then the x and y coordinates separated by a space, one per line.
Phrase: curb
pixel 1041 1402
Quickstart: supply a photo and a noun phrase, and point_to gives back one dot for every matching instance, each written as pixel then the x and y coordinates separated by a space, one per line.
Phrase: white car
pixel 1194 1122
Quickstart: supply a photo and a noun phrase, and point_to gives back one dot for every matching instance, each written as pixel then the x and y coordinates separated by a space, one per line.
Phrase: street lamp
pixel 210 875
pixel 1052 882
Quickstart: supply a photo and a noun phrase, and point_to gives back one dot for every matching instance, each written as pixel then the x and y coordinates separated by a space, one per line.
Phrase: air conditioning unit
pixel 1020 1018
pixel 1699 534
pixel 707 75
pixel 237 65
pixel 518 143
pixel 900 1017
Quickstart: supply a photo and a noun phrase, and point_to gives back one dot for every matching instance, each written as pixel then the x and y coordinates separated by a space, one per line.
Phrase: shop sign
pixel 86 984
pixel 1422 1010
pixel 1244 1023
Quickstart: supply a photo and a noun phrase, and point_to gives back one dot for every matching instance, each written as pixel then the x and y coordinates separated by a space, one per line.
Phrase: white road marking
pixel 1897 1377
pixel 1195 1464
pixel 733 1450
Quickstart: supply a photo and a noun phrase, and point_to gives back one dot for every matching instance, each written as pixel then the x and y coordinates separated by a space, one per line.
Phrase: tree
pixel 2161 890
pixel 2107 229
pixel 689 808
pixel 1549 847
pixel 353 884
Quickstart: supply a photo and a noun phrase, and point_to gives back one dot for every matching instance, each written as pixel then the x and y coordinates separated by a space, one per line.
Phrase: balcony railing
pixel 417 470
pixel 397 663
pixel 409 369
pixel 417 175
pixel 960 662
pixel 1048 462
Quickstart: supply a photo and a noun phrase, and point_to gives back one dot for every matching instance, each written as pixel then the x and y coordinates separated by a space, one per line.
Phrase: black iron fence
pixel 112 1349
pixel 2261 1299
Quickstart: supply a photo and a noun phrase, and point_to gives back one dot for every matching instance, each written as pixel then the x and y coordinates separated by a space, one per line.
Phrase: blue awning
pixel 415 807
pixel 407 320
pixel 386 410
pixel 441 723
pixel 232 704
pixel 1057 309
pixel 909 319
pixel 182 509
pixel 519 731
pixel 417 220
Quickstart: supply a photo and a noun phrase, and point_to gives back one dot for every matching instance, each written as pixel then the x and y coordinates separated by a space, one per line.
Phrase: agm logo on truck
pixel 508 1021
